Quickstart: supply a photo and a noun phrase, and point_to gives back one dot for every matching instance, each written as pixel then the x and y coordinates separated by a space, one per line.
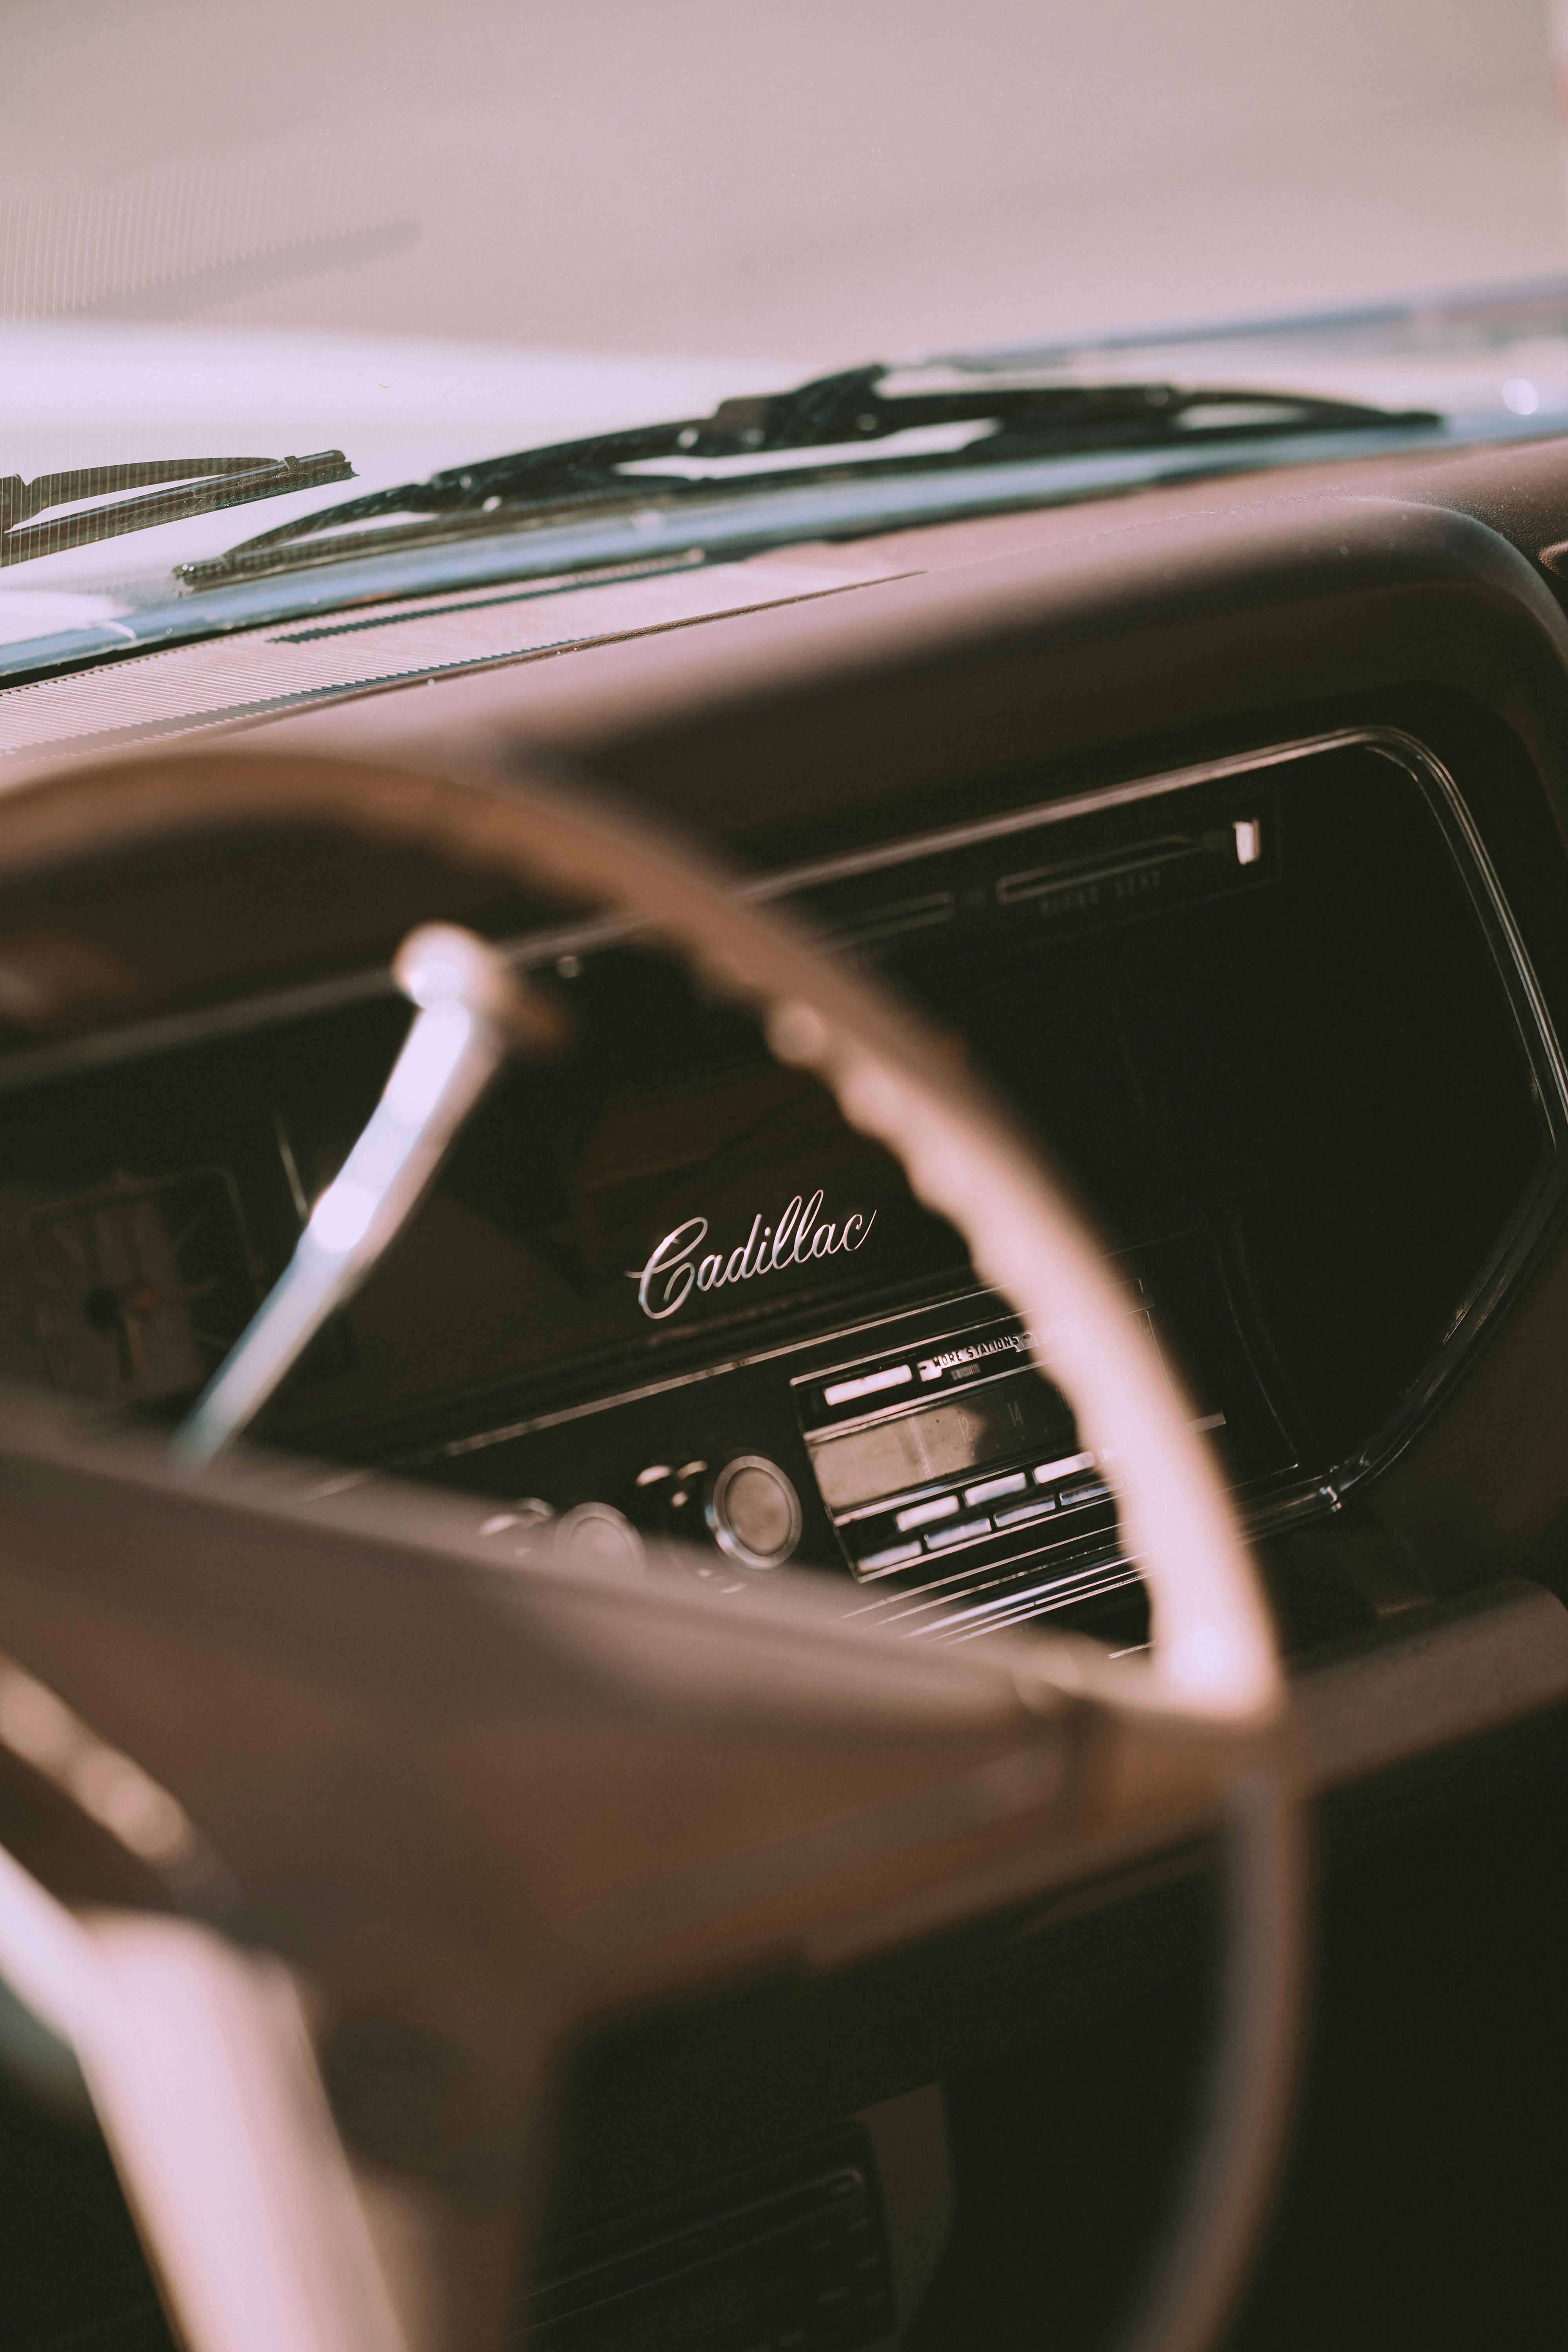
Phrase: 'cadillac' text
pixel 674 1269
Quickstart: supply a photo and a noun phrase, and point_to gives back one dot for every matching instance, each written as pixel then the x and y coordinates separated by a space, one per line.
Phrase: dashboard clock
pixel 141 1288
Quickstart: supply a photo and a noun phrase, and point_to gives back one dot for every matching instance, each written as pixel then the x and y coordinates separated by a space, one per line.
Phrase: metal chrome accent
pixel 470 1016
pixel 742 1484
pixel 674 1265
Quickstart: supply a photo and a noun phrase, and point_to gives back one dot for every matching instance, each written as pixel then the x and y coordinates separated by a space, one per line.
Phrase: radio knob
pixel 596 1540
pixel 754 1512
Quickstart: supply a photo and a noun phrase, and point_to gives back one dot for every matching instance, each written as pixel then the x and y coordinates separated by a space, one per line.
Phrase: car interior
pixel 784 1494
pixel 1268 969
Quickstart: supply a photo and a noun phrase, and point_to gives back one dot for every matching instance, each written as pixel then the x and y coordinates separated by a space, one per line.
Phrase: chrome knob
pixel 754 1512
pixel 593 1539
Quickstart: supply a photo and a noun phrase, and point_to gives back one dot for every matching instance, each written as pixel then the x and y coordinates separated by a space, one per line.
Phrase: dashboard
pixel 1225 841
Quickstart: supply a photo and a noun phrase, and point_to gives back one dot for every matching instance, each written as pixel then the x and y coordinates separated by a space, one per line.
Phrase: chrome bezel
pixel 724 1535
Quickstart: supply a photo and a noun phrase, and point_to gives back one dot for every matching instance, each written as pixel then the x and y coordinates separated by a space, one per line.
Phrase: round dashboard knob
pixel 754 1512
pixel 595 1540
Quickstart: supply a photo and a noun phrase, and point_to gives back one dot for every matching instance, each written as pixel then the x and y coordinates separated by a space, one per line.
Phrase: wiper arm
pixel 838 413
pixel 209 483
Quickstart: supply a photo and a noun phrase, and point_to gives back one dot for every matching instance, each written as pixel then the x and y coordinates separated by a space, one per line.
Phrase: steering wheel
pixel 407 1820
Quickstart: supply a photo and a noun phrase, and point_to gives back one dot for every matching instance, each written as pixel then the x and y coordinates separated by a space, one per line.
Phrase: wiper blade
pixel 209 483
pixel 838 413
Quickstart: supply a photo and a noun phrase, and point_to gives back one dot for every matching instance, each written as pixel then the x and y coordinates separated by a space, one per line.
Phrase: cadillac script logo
pixel 674 1269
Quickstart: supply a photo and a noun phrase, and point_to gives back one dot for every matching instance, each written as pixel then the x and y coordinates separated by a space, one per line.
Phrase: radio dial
pixel 754 1512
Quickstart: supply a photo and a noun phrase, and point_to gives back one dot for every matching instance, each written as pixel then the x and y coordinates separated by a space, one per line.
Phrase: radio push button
pixel 1062 1467
pixel 965 1532
pixel 989 1489
pixel 877 1563
pixel 1086 1490
pixel 754 1512
pixel 1041 1508
pixel 944 1507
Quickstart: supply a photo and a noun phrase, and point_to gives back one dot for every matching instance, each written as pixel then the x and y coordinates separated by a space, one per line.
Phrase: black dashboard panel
pixel 1271 1016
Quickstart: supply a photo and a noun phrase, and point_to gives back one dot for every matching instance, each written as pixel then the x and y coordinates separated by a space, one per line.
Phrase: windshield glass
pixel 392 243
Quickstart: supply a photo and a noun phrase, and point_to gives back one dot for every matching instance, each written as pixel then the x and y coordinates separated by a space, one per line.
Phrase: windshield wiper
pixel 210 483
pixel 835 413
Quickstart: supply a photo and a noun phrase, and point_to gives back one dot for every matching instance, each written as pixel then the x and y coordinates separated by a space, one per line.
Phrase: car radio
pixel 920 1453
pixel 935 1448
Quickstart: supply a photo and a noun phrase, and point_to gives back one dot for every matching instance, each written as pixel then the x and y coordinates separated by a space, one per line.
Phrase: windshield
pixel 385 245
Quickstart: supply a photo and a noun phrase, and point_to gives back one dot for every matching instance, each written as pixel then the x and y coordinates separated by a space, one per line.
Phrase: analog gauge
pixel 141 1288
